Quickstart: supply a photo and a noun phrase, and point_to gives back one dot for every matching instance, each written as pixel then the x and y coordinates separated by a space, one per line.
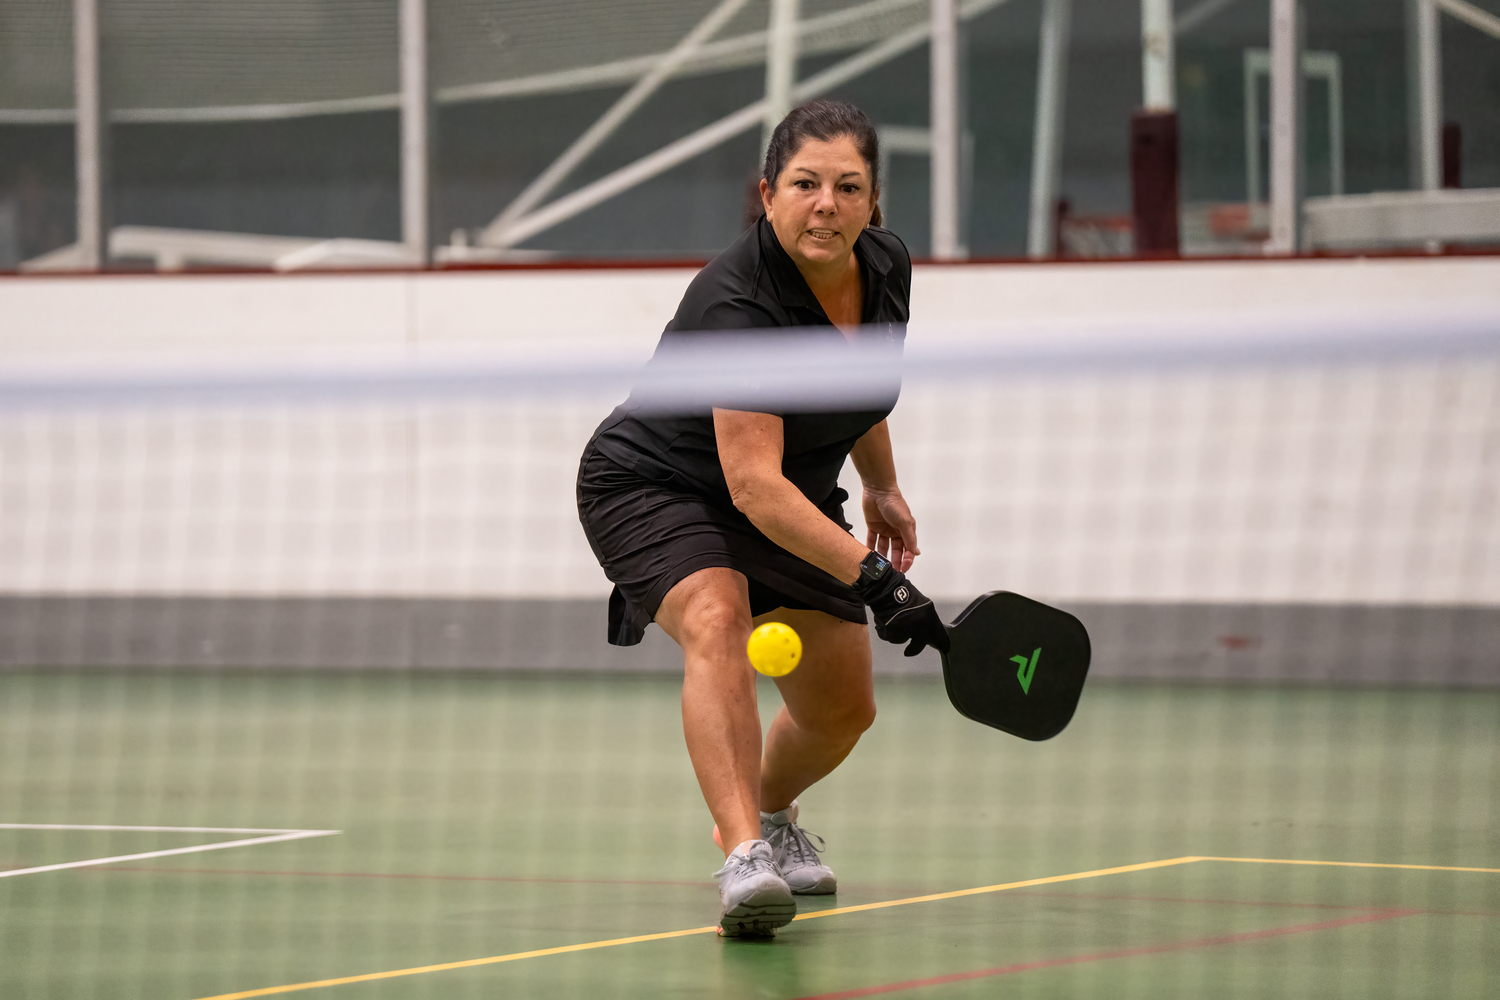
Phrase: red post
pixel 1153 183
pixel 1060 248
pixel 1453 142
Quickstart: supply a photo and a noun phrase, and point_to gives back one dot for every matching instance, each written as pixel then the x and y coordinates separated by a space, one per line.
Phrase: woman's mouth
pixel 822 234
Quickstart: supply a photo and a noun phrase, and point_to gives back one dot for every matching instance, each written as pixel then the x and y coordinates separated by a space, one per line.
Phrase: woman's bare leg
pixel 828 702
pixel 708 614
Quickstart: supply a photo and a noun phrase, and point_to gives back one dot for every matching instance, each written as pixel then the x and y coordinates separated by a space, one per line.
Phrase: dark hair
pixel 824 120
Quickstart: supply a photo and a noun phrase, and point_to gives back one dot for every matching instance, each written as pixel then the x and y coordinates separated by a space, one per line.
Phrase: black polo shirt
pixel 754 284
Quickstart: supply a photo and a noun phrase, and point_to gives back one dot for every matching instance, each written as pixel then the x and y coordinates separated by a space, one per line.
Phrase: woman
pixel 711 524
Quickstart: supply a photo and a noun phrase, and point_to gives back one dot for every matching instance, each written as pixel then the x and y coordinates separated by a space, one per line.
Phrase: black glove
pixel 901 611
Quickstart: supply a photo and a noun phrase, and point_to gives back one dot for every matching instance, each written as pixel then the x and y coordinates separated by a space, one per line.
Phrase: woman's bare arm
pixel 872 459
pixel 750 450
pixel 892 529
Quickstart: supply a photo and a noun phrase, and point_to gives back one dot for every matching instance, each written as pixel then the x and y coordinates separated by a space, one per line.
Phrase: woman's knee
pixel 715 619
pixel 858 716
pixel 711 607
pixel 837 719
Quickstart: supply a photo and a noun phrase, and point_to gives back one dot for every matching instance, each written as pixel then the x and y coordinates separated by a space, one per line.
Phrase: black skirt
pixel 650 535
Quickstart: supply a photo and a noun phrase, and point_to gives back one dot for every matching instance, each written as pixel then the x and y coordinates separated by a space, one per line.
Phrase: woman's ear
pixel 765 196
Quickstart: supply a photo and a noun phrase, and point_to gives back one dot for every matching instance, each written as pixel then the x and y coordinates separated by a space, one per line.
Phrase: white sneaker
pixel 755 897
pixel 796 857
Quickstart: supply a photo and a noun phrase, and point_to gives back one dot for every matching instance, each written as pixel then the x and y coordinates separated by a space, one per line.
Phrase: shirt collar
pixel 791 287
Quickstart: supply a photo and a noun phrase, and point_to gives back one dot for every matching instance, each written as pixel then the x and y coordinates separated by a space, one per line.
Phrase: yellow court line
pixel 666 935
pixel 467 963
pixel 565 949
pixel 1353 864
pixel 1050 879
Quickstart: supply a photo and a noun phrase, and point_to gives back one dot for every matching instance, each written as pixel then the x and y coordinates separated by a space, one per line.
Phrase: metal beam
pixel 1473 16
pixel 899 139
pixel 91 138
pixel 725 128
pixel 944 100
pixel 416 132
pixel 1413 97
pixel 1286 127
pixel 495 233
pixel 1046 146
pixel 1325 66
pixel 1429 58
pixel 1251 96
pixel 781 64
pixel 1196 15
pixel 1330 67
pixel 730 53
pixel 1158 56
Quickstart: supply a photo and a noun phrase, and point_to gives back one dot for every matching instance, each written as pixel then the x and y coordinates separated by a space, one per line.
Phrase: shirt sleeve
pixel 738 313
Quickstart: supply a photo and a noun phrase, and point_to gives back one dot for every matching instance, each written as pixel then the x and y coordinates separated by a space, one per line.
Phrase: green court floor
pixel 480 819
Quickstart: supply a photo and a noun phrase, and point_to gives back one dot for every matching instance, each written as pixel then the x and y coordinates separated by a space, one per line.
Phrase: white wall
pixel 1362 483
pixel 53 315
pixel 56 316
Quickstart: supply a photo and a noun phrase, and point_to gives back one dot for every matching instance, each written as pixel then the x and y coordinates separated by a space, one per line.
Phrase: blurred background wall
pixel 309 143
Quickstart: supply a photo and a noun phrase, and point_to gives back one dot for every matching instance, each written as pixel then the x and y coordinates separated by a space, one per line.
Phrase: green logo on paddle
pixel 1028 668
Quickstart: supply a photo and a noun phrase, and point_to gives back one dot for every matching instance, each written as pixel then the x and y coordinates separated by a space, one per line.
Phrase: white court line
pixel 275 837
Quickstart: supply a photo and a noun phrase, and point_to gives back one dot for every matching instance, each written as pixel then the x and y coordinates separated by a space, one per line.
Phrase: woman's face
pixel 821 203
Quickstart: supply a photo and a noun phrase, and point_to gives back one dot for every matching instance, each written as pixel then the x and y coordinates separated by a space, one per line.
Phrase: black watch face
pixel 875 565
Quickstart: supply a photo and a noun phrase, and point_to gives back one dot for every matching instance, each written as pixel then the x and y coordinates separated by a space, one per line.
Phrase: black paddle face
pixel 1016 664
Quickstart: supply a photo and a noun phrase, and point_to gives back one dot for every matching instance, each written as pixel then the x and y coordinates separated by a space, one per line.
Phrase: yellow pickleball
pixel 775 649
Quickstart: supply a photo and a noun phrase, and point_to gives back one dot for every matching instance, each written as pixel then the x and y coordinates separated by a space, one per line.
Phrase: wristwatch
pixel 872 569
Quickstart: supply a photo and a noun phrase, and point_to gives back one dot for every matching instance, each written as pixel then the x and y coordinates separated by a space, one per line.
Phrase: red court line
pixel 1210 902
pixel 445 878
pixel 1369 908
pixel 1251 902
pixel 1052 963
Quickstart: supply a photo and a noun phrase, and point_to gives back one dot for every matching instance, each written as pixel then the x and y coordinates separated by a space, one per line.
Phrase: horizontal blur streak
pixel 782 370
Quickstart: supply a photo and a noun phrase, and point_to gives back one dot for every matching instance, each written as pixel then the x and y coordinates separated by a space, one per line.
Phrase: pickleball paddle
pixel 1016 664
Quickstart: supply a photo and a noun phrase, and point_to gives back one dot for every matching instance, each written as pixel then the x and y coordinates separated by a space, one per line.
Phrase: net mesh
pixel 312 694
pixel 1345 483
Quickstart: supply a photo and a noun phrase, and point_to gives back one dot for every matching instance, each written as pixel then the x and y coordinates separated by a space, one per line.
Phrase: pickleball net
pixel 245 600
pixel 1311 464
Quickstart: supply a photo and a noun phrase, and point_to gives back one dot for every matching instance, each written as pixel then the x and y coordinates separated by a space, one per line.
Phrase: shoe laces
pixel 747 864
pixel 796 845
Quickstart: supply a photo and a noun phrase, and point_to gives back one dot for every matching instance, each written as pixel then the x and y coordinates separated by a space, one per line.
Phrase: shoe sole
pixel 758 916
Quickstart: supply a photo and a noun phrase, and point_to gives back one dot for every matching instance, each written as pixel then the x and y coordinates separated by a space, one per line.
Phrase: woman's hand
pixel 892 529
